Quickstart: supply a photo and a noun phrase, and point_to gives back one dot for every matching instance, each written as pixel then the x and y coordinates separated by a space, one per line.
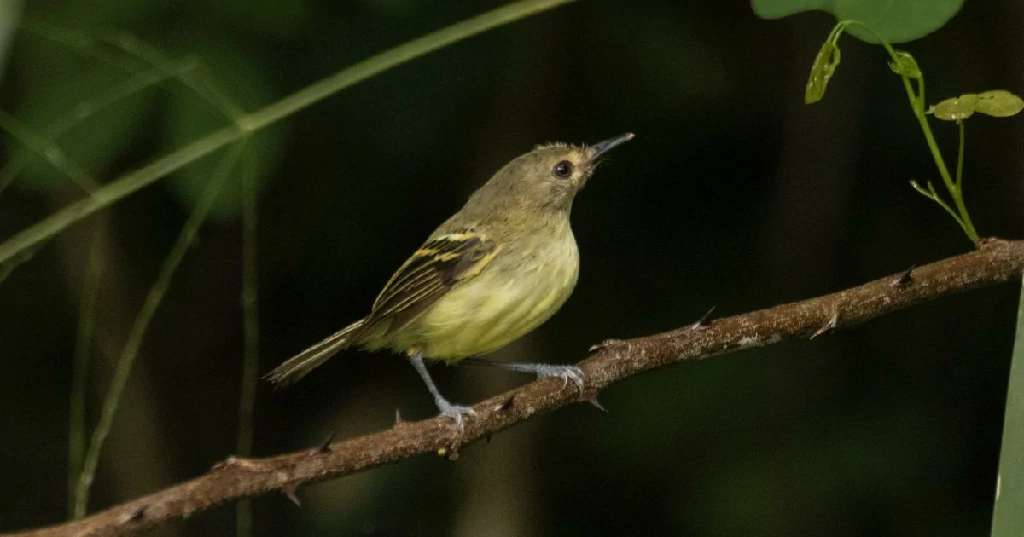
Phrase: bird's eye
pixel 563 169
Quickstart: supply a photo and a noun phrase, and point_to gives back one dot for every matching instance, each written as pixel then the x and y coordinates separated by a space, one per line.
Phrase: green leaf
pixel 999 103
pixel 238 80
pixel 995 103
pixel 822 69
pixel 955 109
pixel 1008 517
pixel 777 9
pixel 897 21
pixel 905 65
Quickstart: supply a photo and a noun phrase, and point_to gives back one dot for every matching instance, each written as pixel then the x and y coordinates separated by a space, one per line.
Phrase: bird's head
pixel 545 179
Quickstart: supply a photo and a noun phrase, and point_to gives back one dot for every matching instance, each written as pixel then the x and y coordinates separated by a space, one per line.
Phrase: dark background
pixel 734 194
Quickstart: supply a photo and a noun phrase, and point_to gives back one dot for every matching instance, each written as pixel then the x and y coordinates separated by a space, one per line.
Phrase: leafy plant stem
pixel 954 188
pixel 918 104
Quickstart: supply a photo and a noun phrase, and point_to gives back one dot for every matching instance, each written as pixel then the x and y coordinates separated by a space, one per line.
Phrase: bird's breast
pixel 515 294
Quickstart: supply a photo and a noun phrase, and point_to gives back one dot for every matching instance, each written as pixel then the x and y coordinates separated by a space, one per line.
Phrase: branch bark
pixel 996 261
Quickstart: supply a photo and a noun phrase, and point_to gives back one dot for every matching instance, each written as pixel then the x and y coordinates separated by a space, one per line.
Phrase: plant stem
pixel 80 362
pixel 918 105
pixel 250 321
pixel 953 187
pixel 138 330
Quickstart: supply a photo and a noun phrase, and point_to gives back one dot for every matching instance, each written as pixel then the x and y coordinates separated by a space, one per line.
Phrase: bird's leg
pixel 446 409
pixel 564 372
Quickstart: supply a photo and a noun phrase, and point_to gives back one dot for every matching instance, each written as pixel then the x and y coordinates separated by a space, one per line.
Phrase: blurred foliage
pixel 92 144
pixel 189 118
pixel 10 14
pixel 895 22
pixel 733 194
pixel 68 86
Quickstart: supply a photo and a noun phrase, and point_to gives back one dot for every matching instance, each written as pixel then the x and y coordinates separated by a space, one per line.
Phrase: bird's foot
pixel 564 372
pixel 455 412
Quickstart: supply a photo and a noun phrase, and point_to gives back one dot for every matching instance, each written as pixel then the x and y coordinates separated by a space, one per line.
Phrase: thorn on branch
pixel 230 461
pixel 325 447
pixel 506 404
pixel 401 422
pixel 233 461
pixel 592 399
pixel 220 465
pixel 137 514
pixel 289 492
pixel 827 327
pixel 604 344
pixel 904 279
pixel 704 320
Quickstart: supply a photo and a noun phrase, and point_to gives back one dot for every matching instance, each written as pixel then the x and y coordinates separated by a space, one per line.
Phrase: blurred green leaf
pixel 92 144
pixel 1008 517
pixel 276 19
pixel 824 67
pixel 393 8
pixel 7 267
pixel 10 14
pixel 236 79
pixel 111 13
pixel 897 21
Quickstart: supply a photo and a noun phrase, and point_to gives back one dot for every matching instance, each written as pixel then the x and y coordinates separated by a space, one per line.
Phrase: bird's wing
pixel 436 267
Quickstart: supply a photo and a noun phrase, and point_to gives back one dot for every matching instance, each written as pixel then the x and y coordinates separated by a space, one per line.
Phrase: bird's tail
pixel 299 365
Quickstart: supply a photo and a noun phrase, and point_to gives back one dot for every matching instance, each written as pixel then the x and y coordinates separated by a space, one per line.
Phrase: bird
pixel 493 272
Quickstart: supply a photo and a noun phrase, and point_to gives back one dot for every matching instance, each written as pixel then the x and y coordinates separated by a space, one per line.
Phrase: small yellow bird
pixel 490 274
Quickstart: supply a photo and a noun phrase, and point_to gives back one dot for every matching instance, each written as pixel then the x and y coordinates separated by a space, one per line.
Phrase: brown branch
pixel 996 261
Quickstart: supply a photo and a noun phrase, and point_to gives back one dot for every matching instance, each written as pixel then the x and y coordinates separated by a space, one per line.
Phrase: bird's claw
pixel 566 373
pixel 456 413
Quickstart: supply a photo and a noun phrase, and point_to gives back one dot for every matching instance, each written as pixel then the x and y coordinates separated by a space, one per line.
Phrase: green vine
pixel 997 103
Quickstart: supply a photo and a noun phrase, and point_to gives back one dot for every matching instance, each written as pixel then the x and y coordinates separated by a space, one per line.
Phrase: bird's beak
pixel 601 148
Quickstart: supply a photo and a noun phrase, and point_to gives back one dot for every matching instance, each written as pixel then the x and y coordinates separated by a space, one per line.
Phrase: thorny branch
pixel 996 261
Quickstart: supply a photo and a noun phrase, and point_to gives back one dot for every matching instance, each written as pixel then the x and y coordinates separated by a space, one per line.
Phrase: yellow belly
pixel 501 304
